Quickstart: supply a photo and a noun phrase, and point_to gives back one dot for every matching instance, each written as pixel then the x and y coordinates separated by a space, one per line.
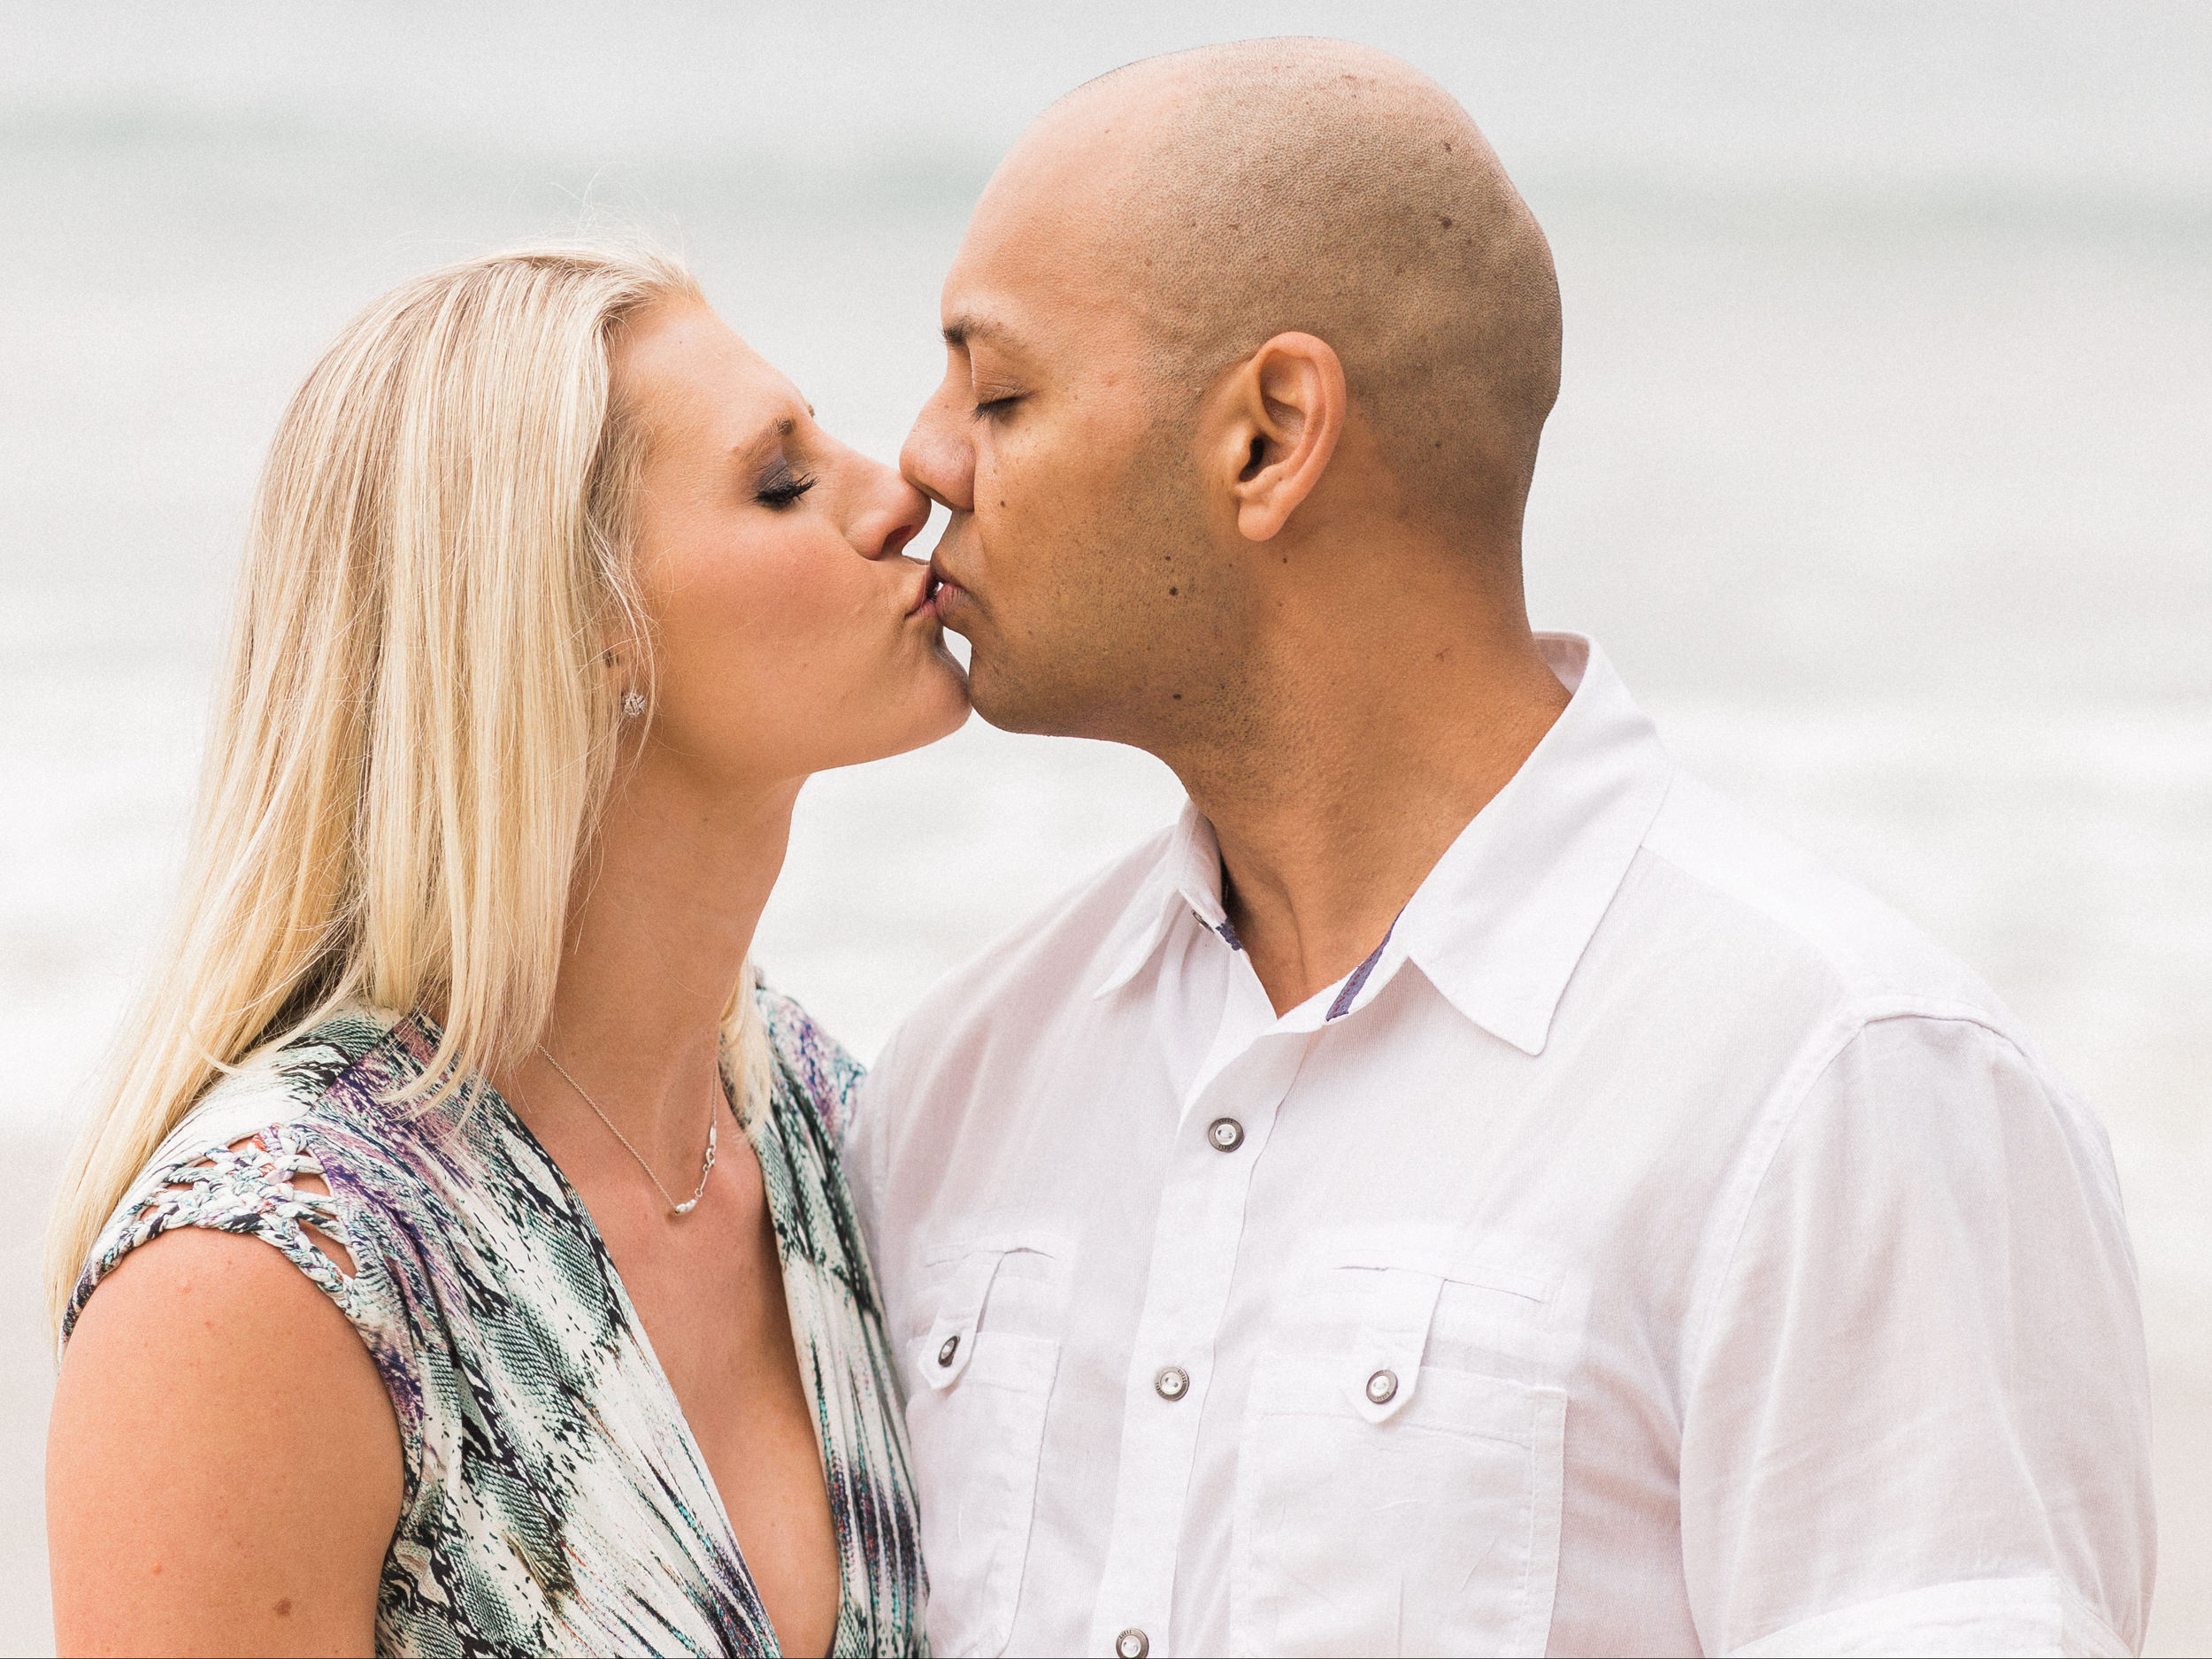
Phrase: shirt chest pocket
pixel 979 1385
pixel 1399 1475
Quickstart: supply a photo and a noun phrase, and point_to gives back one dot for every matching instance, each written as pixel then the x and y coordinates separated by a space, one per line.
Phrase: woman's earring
pixel 632 704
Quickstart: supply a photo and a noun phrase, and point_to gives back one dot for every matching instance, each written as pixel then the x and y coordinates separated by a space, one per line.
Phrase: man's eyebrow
pixel 960 330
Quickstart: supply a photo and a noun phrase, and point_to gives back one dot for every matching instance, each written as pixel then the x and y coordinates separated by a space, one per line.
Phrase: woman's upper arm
pixel 224 1469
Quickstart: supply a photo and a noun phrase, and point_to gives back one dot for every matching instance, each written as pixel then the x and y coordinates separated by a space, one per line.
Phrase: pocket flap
pixel 950 1344
pixel 1384 1371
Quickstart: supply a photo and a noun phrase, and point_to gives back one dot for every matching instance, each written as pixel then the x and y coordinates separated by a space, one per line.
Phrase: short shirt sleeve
pixel 242 1185
pixel 1916 1406
pixel 219 1170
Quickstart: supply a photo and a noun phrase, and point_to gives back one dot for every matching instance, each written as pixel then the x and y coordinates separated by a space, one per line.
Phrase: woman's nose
pixel 896 519
pixel 938 460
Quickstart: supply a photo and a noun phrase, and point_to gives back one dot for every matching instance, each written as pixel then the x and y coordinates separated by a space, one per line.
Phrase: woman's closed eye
pixel 992 408
pixel 782 486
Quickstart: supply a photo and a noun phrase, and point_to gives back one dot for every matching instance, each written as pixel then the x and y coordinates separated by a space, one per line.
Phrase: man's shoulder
pixel 1851 1034
pixel 1780 918
pixel 1042 964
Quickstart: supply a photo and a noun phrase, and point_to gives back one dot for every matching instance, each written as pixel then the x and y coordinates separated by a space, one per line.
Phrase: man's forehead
pixel 1025 288
pixel 1050 324
pixel 1046 262
pixel 1029 300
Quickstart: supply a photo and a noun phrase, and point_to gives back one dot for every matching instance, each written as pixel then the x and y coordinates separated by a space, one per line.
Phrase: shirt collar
pixel 1500 922
pixel 1188 877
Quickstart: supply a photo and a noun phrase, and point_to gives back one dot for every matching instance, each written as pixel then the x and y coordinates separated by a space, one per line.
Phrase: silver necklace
pixel 706 1170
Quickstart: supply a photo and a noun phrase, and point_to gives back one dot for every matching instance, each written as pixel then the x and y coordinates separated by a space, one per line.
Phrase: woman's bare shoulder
pixel 224 1468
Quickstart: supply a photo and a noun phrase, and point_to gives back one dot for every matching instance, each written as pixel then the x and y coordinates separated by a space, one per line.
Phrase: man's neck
pixel 1379 719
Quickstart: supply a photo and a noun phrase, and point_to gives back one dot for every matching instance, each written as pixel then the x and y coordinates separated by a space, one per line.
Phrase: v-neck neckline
pixel 756 1132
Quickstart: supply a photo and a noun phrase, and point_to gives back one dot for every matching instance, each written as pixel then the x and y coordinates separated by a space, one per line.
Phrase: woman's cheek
pixel 784 601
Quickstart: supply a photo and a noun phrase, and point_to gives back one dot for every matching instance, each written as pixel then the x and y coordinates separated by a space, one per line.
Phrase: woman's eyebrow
pixel 766 438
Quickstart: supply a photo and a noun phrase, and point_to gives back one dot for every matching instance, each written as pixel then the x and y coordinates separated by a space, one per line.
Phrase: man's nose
pixel 937 458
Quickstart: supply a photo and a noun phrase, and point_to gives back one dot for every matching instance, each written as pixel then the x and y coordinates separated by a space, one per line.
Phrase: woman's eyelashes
pixel 992 408
pixel 782 486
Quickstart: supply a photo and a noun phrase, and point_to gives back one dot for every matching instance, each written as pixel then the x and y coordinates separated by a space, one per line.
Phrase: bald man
pixel 1463 1189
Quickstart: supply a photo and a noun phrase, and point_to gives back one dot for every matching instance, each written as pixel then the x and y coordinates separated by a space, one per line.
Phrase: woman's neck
pixel 664 914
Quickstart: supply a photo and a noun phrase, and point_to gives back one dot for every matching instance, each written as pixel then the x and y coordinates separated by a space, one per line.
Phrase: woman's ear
pixel 1280 415
pixel 619 664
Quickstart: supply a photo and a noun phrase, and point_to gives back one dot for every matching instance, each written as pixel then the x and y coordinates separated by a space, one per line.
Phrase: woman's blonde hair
pixel 416 728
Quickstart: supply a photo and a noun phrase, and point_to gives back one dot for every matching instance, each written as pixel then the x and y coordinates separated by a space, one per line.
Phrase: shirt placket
pixel 1194 1248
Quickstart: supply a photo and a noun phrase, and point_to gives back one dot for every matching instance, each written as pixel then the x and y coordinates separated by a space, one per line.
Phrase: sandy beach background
pixel 1880 470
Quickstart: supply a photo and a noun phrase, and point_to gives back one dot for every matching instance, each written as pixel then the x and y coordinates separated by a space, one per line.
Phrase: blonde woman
pixel 555 594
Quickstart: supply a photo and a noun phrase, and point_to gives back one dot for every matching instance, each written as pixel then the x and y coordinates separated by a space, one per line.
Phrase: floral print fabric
pixel 555 1500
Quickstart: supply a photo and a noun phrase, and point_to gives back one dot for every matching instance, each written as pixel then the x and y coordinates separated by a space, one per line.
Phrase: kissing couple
pixel 1464 1187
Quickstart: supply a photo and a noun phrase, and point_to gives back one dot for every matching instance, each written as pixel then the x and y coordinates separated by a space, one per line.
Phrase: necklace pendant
pixel 706 1169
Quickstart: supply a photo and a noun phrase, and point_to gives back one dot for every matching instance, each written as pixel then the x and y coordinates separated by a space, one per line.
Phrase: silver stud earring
pixel 632 704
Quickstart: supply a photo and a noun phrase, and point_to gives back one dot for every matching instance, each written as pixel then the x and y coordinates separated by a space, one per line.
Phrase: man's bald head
pixel 1267 187
pixel 1241 343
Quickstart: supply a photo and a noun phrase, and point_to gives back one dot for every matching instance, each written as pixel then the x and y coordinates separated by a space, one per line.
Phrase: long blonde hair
pixel 416 728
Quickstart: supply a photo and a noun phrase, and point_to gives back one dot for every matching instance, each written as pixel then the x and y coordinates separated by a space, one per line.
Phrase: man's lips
pixel 947 596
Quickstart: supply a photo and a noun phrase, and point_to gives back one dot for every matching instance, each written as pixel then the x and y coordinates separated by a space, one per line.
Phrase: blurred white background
pixel 1883 468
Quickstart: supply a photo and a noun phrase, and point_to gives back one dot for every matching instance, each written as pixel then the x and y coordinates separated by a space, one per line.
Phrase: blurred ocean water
pixel 1883 470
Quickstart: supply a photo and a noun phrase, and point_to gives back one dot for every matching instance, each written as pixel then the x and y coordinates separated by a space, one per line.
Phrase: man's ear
pixel 1278 417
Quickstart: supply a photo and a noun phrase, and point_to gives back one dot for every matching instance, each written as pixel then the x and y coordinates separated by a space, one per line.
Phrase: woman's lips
pixel 925 600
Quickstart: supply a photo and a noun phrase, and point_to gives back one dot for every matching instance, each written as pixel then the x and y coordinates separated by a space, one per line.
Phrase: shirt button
pixel 1133 1644
pixel 1170 1385
pixel 951 1346
pixel 1226 1133
pixel 1382 1387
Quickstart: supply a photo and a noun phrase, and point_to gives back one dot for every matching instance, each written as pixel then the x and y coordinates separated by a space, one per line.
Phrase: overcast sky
pixel 2009 95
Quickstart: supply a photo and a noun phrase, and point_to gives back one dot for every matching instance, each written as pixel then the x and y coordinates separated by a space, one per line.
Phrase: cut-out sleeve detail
pixel 245 1187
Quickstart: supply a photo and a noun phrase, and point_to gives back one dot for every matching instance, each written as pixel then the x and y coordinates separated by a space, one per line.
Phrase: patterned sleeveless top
pixel 554 1501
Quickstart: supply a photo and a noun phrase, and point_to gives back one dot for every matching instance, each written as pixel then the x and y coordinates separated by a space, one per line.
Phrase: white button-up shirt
pixel 1656 1246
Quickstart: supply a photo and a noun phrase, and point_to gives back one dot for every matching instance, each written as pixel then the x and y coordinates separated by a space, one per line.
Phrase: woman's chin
pixel 946 676
pixel 949 707
pixel 930 711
